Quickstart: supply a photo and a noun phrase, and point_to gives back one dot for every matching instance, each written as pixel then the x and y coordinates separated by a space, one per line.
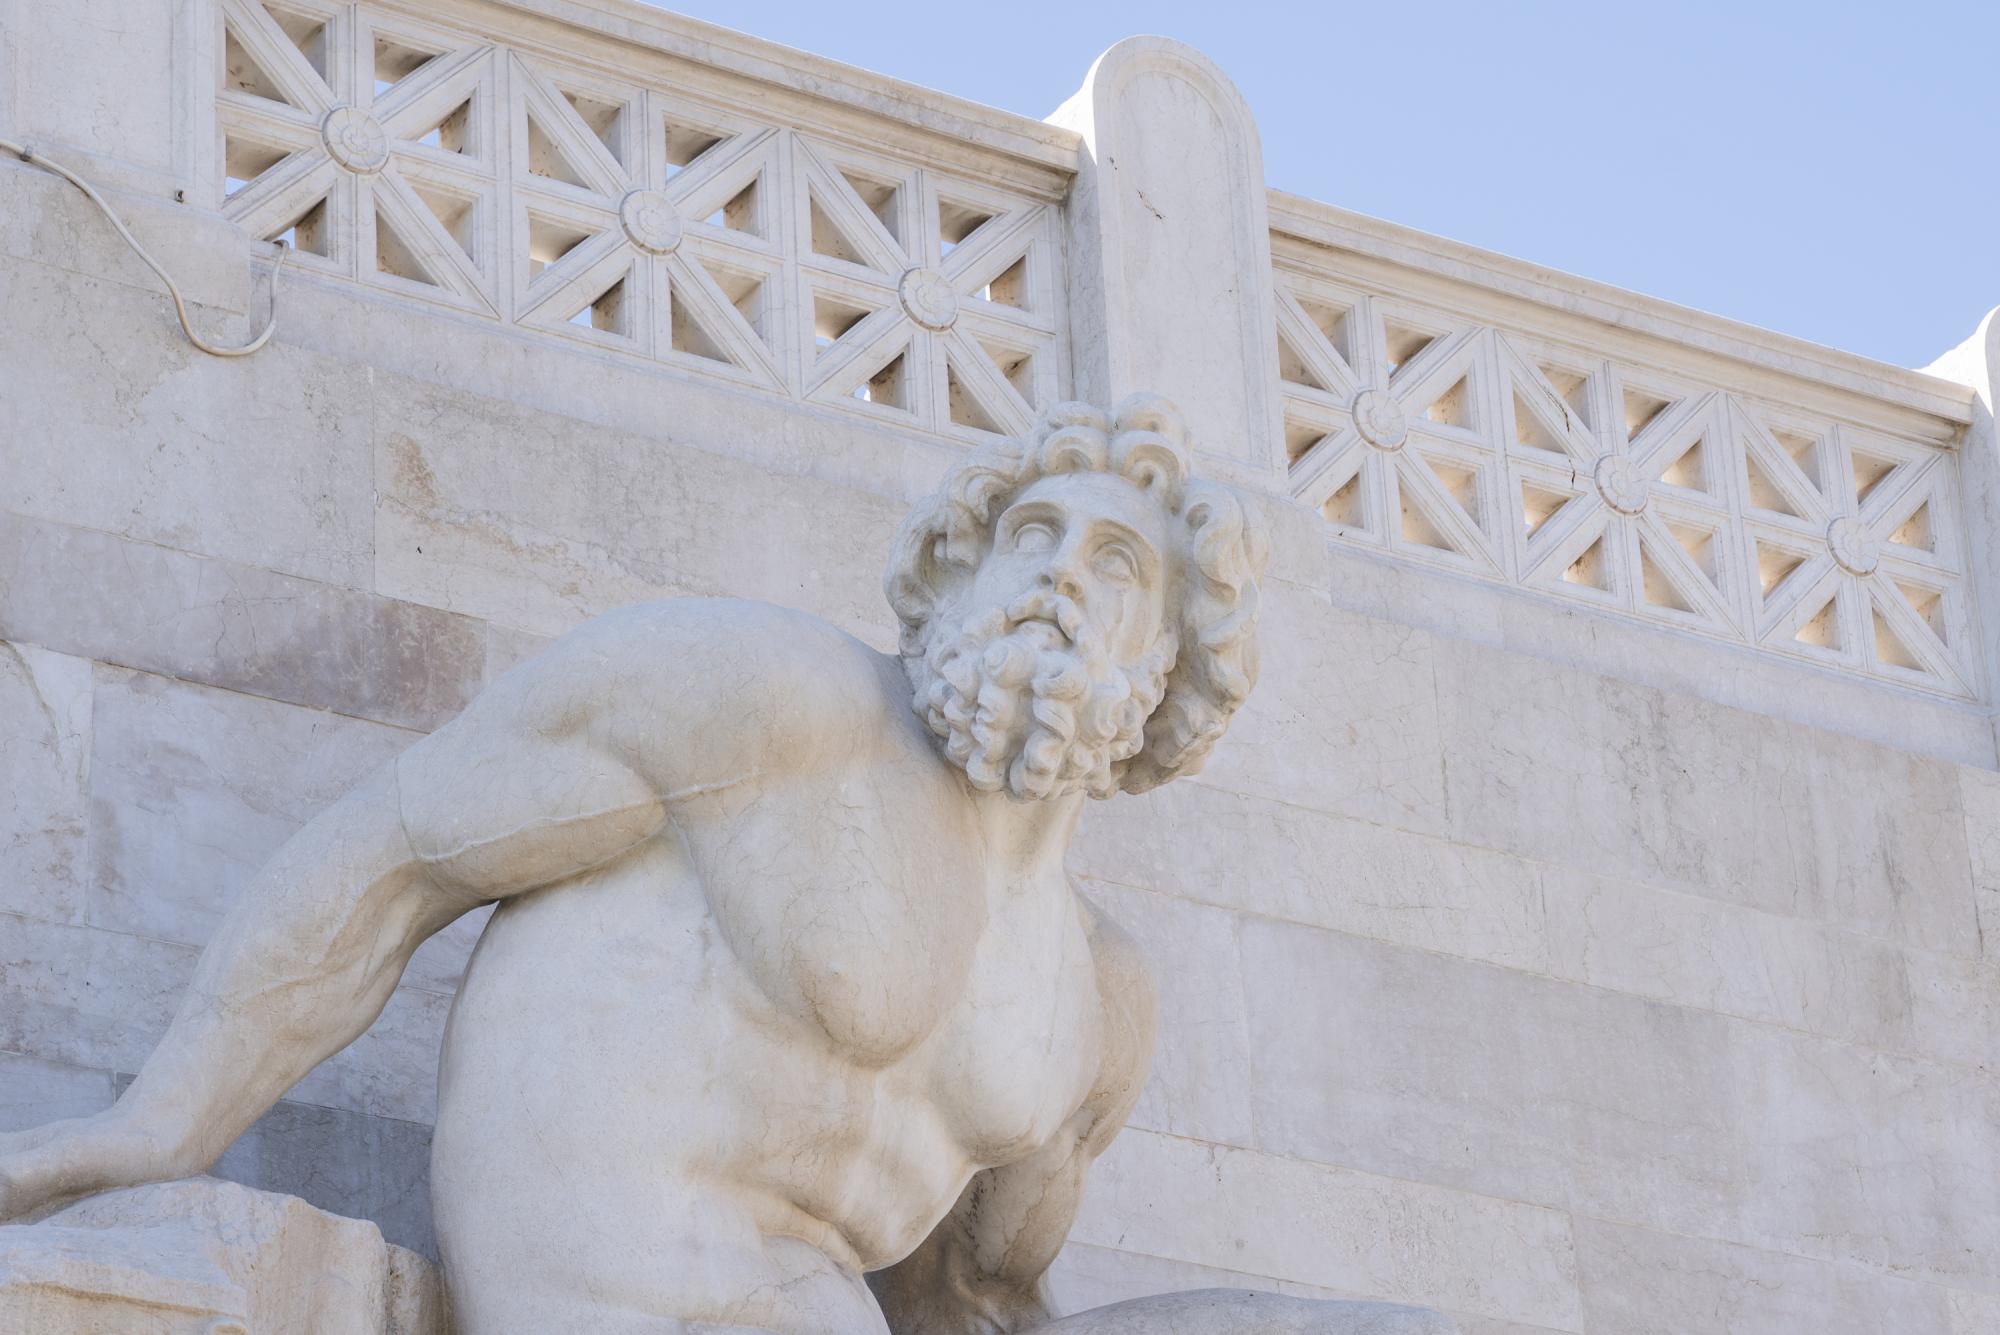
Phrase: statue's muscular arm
pixel 564 764
pixel 983 1269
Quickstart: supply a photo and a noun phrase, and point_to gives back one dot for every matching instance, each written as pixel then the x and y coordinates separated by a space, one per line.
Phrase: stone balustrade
pixel 1442 407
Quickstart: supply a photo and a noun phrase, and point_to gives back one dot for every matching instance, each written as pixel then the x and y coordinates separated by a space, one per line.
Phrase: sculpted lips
pixel 1053 608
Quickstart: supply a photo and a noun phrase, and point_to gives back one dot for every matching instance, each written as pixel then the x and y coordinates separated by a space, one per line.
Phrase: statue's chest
pixel 1017 1053
pixel 866 915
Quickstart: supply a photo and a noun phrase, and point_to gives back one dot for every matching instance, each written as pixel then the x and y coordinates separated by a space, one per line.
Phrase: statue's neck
pixel 1028 839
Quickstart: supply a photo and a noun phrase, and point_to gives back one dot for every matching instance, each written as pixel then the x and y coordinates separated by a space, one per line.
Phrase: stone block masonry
pixel 1586 927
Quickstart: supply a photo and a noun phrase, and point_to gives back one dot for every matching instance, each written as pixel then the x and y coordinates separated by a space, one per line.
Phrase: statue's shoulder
pixel 704 658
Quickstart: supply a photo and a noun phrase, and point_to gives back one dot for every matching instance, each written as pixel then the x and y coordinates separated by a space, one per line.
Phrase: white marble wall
pixel 1529 975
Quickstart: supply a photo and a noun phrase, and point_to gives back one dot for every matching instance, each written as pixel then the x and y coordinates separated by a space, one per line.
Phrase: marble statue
pixel 789 1018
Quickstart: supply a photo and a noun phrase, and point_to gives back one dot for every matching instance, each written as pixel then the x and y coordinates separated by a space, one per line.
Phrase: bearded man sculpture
pixel 789 1018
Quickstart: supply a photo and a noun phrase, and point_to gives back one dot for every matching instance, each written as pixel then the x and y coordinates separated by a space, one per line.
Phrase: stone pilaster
pixel 1976 362
pixel 1169 249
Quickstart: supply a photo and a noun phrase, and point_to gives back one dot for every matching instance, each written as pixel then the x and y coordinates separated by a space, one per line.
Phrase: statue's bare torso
pixel 805 1011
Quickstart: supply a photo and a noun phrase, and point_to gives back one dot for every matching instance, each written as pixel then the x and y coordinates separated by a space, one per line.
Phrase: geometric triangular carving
pixel 1460 482
pixel 245 161
pixel 1344 506
pixel 1403 344
pixel 1775 565
pixel 1678 564
pixel 1916 530
pixel 307 232
pixel 1642 410
pixel 1539 503
pixel 1421 528
pixel 1765 494
pixel 686 144
pixel 1300 437
pixel 1016 367
pixel 1335 325
pixel 1009 287
pixel 1870 470
pixel 396 59
pixel 455 214
pixel 1890 649
pixel 834 317
pixel 744 290
pixel 1928 604
pixel 1293 369
pixel 430 236
pixel 1685 466
pixel 608 312
pixel 890 386
pixel 963 402
pixel 1314 345
pixel 603 119
pixel 1573 387
pixel 1804 453
pixel 547 158
pixel 1656 585
pixel 1454 406
pixel 1699 544
pixel 1591 568
pixel 1533 427
pixel 959 223
pixel 740 213
pixel 243 73
pixel 690 333
pixel 1821 629
pixel 450 133
pixel 1438 514
pixel 307 32
pixel 829 237
pixel 1909 623
pixel 551 241
pixel 881 198
pixel 395 255
pixel 841 225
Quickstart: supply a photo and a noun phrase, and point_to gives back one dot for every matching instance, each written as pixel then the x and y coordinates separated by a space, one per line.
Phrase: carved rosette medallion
pixel 355 140
pixel 1854 550
pixel 651 223
pixel 1380 419
pixel 928 299
pixel 1620 483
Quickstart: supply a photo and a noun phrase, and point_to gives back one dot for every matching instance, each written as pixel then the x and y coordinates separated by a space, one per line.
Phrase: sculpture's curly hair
pixel 1144 441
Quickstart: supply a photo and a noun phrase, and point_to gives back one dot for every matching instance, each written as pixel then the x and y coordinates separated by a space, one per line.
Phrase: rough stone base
pixel 206 1257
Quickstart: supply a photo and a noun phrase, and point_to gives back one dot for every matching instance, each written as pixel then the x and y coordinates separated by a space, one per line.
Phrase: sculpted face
pixel 1079 613
pixel 1044 669
pixel 1093 539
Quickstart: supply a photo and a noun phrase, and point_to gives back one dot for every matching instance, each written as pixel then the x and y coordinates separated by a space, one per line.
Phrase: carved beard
pixel 1028 699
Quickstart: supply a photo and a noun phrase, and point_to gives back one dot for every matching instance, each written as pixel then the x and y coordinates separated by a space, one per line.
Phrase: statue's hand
pixel 72 1158
pixel 28 1163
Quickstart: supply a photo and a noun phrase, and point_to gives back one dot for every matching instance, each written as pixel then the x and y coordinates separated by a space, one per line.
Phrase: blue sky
pixel 1830 170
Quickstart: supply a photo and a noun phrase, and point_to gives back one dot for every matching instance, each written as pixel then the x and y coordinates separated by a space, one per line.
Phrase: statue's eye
pixel 1034 536
pixel 1116 564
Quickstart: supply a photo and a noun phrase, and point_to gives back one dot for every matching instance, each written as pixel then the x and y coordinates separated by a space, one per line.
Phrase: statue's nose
pixel 1060 576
